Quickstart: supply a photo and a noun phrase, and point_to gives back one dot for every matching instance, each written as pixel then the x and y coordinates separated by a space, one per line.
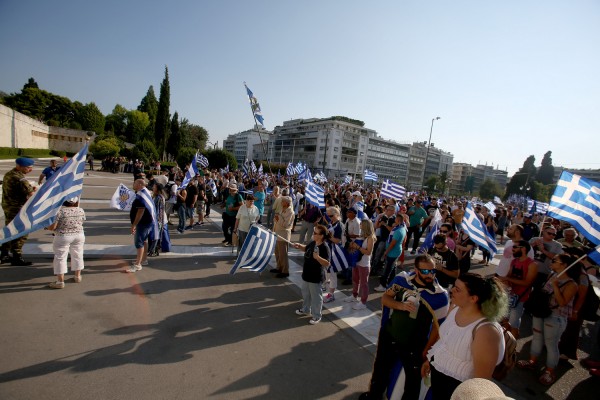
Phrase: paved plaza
pixel 184 328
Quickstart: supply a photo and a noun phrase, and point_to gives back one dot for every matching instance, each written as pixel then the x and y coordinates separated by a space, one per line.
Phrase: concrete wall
pixel 20 131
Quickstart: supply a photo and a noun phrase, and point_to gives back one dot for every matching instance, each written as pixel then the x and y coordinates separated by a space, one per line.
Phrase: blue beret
pixel 24 161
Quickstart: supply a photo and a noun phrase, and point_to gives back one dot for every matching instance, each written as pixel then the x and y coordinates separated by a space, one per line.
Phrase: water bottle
pixel 415 301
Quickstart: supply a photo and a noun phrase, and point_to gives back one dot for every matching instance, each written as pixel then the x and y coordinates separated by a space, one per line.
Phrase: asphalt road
pixel 183 328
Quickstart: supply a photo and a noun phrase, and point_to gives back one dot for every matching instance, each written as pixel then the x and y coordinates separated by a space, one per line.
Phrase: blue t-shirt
pixel 48 172
pixel 397 234
pixel 259 201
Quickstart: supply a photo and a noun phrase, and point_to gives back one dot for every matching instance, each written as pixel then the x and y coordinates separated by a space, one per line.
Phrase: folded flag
pixel 576 200
pixel 40 209
pixel 392 190
pixel 256 250
pixel 122 198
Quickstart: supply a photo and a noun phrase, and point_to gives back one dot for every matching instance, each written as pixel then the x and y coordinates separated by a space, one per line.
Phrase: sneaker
pixel 227 244
pixel 179 232
pixel 328 298
pixel 359 306
pixel 189 227
pixel 132 268
pixel 350 299
pixel 77 279
pixel 224 241
pixel 197 224
pixel 380 288
pixel 143 263
pixel 314 321
pixel 57 285
pixel 300 312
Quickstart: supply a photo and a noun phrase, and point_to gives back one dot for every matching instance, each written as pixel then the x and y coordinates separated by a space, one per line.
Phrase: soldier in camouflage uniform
pixel 15 192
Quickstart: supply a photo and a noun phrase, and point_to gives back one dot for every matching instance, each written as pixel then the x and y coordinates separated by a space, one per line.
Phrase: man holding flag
pixel 143 221
pixel 15 192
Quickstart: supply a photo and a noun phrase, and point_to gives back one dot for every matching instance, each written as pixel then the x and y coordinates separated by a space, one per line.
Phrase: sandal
pixel 547 378
pixel 526 364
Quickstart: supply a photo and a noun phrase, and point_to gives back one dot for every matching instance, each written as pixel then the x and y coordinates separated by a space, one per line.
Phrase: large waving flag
pixel 256 250
pixel 370 175
pixel 435 228
pixel 474 228
pixel 203 161
pixel 255 107
pixel 314 194
pixel 392 190
pixel 305 176
pixel 122 198
pixel 41 208
pixel 576 200
pixel 190 174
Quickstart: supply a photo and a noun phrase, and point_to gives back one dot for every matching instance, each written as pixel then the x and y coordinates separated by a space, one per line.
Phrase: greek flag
pixel 435 228
pixel 392 190
pixel 256 250
pixel 534 206
pixel 41 208
pixel 300 167
pixel 122 198
pixel 305 176
pixel 289 171
pixel 213 187
pixel 497 200
pixel 339 258
pixel 360 208
pixel 370 175
pixel 227 168
pixel 490 206
pixel 146 197
pixel 576 200
pixel 314 194
pixel 255 107
pixel 348 180
pixel 260 170
pixel 190 174
pixel 474 228
pixel 203 161
pixel 253 167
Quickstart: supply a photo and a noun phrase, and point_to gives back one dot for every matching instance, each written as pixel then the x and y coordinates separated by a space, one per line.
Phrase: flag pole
pixel 575 262
pixel 262 144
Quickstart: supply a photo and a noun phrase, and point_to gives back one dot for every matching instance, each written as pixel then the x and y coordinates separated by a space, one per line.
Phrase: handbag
pixel 538 303
pixel 235 239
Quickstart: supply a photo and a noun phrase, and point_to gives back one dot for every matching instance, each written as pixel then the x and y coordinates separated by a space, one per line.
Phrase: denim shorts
pixel 141 235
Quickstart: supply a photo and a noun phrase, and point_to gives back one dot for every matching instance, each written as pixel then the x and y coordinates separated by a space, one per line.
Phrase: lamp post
pixel 427 151
pixel 214 145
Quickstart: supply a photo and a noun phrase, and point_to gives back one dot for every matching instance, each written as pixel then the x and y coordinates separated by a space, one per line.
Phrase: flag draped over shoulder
pixel 256 250
pixel 255 107
pixel 41 208
pixel 576 200
pixel 474 228
pixel 146 197
pixel 392 190
pixel 314 194
pixel 122 198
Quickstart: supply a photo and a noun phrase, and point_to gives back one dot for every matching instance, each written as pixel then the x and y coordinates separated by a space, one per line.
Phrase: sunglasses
pixel 550 233
pixel 426 271
pixel 444 231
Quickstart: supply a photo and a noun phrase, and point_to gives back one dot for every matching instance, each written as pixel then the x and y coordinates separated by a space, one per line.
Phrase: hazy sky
pixel 508 78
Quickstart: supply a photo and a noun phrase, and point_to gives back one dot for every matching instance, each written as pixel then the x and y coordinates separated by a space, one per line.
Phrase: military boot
pixel 5 258
pixel 19 262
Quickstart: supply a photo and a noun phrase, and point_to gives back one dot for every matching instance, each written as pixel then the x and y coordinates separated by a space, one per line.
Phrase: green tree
pixel 545 174
pixel 489 188
pixel 432 183
pixel 91 118
pixel 469 184
pixel 31 84
pixel 219 158
pixel 60 111
pixel 174 142
pixel 192 135
pixel 149 105
pixel 522 182
pixel 106 146
pixel 116 121
pixel 145 150
pixel 185 155
pixel 137 125
pixel 161 128
pixel 31 102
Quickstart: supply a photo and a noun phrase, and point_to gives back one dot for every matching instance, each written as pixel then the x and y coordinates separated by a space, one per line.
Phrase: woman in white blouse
pixel 247 215
pixel 68 238
pixel 471 341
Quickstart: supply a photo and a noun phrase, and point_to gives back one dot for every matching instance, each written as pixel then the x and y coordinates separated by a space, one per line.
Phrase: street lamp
pixel 427 151
pixel 214 145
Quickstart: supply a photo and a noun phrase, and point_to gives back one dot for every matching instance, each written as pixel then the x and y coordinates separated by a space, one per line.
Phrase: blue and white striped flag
pixel 146 197
pixel 360 208
pixel 534 206
pixel 227 168
pixel 253 167
pixel 213 187
pixel 490 206
pixel 260 170
pixel 255 107
pixel 122 198
pixel 256 250
pixel 41 208
pixel 189 175
pixel 339 258
pixel 370 175
pixel 435 228
pixel 314 194
pixel 576 200
pixel 348 180
pixel 392 190
pixel 203 161
pixel 290 169
pixel 474 228
pixel 305 176
pixel 300 167
pixel 498 200
pixel 245 170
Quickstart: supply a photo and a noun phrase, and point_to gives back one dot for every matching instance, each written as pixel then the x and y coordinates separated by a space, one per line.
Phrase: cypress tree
pixel 545 173
pixel 161 128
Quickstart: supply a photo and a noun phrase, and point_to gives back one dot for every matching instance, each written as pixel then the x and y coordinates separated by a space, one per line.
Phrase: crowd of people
pixel 440 320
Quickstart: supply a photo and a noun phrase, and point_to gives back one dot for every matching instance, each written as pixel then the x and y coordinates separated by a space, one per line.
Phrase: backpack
pixel 510 353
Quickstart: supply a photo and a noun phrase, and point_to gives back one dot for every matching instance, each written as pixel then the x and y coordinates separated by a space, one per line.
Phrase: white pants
pixel 62 246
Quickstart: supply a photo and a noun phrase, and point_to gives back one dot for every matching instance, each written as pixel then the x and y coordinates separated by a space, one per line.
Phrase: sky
pixel 508 79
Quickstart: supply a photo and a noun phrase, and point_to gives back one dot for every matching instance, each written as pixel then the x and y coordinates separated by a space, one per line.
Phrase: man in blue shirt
pixel 48 171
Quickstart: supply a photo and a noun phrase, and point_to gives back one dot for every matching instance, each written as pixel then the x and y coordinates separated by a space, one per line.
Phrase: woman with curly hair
pixel 471 342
